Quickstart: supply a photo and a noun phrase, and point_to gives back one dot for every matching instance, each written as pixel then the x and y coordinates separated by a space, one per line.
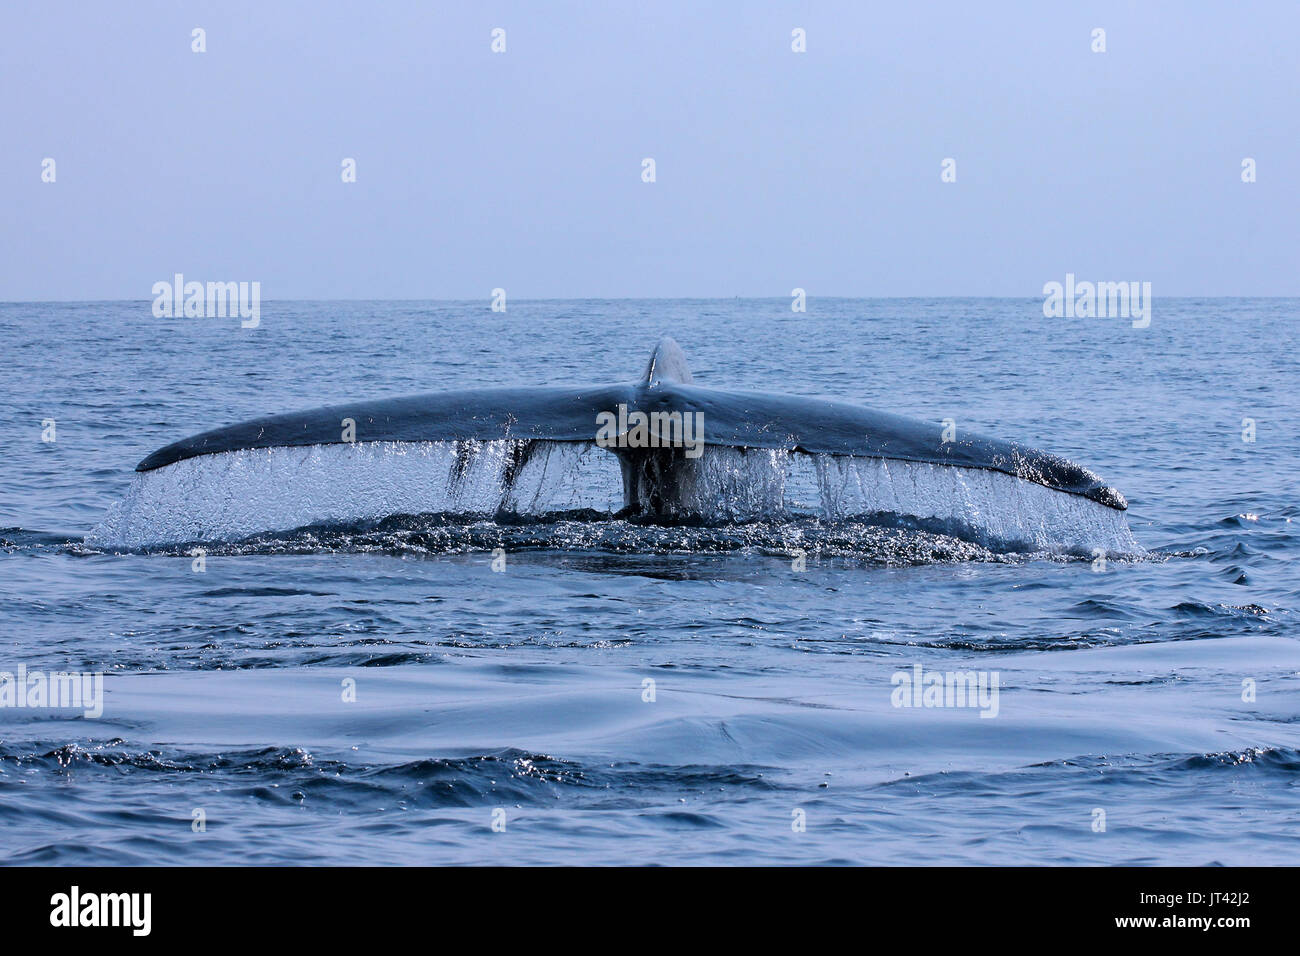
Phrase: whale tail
pixel 684 450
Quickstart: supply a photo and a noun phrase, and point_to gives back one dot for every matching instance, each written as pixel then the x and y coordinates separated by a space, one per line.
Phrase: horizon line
pixel 637 298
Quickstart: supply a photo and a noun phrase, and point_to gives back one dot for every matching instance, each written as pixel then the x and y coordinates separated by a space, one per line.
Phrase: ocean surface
pixel 617 692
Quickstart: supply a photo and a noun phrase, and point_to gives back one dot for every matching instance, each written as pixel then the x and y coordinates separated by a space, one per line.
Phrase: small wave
pixel 294 774
pixel 1195 609
pixel 22 539
pixel 1161 770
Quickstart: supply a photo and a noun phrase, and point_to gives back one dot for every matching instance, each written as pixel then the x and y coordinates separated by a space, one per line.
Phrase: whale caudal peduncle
pixel 667 364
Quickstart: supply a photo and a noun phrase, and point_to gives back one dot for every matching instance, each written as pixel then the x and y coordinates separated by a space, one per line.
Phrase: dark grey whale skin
pixel 731 419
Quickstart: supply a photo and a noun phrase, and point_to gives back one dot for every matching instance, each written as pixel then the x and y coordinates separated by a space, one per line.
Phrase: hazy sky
pixel 523 169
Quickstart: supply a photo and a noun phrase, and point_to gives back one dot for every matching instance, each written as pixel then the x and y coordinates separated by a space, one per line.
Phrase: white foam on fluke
pixel 234 495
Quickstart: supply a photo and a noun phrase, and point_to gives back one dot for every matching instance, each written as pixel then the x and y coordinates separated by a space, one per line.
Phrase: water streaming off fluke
pixel 233 495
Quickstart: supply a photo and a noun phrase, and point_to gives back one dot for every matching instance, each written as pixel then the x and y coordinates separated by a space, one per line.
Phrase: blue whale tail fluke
pixel 728 456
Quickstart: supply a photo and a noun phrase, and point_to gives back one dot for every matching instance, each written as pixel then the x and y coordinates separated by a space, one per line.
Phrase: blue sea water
pixel 503 717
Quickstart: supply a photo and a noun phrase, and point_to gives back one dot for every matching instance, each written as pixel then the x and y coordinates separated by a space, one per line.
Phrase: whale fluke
pixel 874 449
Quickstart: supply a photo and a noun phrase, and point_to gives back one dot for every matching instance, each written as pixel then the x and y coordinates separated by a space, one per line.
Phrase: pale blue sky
pixel 523 169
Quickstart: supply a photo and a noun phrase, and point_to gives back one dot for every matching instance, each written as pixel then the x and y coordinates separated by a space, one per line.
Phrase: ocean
pixel 577 689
